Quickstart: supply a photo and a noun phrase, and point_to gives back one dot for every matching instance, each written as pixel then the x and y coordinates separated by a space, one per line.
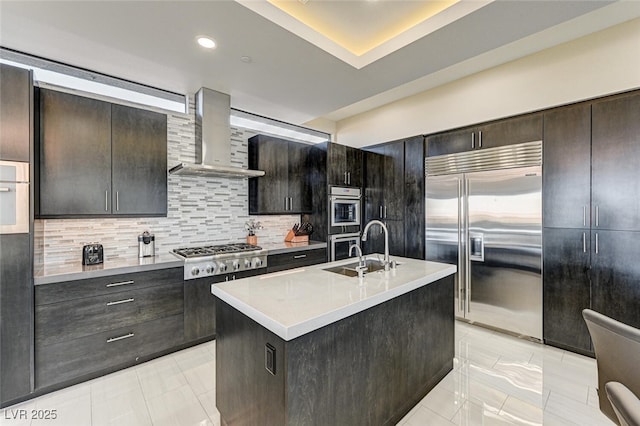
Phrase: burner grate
pixel 194 252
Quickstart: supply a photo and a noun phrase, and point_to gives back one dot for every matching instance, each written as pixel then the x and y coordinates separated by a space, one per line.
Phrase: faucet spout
pixel 387 263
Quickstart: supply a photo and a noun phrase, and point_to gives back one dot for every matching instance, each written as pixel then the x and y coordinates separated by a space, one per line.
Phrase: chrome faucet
pixel 362 266
pixel 387 263
pixel 361 263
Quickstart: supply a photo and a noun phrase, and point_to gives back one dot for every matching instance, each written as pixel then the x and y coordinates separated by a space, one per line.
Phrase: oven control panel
pixel 210 267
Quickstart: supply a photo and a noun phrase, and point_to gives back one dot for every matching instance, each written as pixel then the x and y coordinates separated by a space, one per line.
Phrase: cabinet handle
pixel 380 215
pixel 480 139
pixel 584 215
pixel 117 200
pixel 345 178
pixel 290 203
pixel 596 243
pixel 473 140
pixel 106 201
pixel 597 217
pixel 5 189
pixel 120 283
pixel 115 339
pixel 119 302
pixel 285 203
pixel 300 256
pixel 385 212
pixel 349 178
pixel 584 242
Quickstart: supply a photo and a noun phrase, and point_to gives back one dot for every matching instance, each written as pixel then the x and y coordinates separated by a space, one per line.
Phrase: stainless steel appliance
pixel 14 197
pixel 339 245
pixel 146 244
pixel 484 214
pixel 92 254
pixel 222 259
pixel 344 206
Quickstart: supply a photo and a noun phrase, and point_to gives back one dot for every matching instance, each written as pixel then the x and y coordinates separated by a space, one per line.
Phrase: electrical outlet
pixel 270 358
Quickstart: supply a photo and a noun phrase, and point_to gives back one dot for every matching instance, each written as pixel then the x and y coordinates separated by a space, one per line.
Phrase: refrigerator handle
pixel 461 279
pixel 467 265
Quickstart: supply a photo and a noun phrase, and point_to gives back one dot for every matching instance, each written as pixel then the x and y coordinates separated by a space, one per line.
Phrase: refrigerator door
pixel 505 249
pixel 444 242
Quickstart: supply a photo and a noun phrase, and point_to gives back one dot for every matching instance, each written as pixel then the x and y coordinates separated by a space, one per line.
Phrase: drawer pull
pixel 120 283
pixel 300 256
pixel 115 339
pixel 118 302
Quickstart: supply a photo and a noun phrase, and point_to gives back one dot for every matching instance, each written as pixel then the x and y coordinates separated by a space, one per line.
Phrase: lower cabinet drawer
pixel 74 319
pixel 64 361
pixel 296 259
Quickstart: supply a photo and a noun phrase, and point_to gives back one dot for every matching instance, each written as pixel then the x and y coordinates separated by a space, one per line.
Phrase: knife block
pixel 293 238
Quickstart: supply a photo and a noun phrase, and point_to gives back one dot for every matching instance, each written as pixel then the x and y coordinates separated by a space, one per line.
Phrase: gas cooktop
pixel 221 259
pixel 205 251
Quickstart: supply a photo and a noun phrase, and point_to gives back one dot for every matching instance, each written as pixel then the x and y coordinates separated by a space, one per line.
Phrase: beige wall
pixel 595 65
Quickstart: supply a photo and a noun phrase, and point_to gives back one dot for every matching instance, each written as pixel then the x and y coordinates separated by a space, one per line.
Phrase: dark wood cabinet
pixel 200 308
pixel 16 318
pixel 614 166
pixel 615 272
pixel 527 128
pixel 414 198
pixel 566 175
pixel 86 328
pixel 394 193
pixel 284 189
pixel 509 131
pixel 99 159
pixel 74 155
pixel 567 287
pixel 344 165
pixel 139 155
pixel 295 259
pixel 16 91
pixel 450 142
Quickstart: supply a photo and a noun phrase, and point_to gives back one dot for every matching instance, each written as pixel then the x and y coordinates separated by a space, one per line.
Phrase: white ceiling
pixel 288 78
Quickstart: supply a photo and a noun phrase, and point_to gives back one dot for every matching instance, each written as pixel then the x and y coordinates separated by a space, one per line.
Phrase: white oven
pixel 344 206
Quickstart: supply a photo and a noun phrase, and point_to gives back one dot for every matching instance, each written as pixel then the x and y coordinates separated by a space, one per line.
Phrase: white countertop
pixel 295 302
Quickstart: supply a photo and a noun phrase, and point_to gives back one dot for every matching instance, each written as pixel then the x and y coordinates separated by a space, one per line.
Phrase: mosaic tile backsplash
pixel 200 210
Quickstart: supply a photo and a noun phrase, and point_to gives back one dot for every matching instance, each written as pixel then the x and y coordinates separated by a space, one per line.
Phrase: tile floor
pixel 497 380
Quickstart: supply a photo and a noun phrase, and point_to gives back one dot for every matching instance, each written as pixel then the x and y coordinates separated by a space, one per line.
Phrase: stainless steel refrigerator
pixel 484 214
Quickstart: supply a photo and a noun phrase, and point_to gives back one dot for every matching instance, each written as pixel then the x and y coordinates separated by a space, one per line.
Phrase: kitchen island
pixel 309 346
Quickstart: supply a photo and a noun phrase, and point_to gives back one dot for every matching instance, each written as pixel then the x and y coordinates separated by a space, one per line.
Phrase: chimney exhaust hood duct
pixel 213 139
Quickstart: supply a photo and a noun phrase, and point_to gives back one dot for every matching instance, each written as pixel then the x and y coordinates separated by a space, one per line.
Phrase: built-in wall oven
pixel 339 245
pixel 344 206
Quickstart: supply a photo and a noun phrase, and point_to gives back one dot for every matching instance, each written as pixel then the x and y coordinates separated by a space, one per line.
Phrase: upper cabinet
pixel 526 128
pixel 139 168
pixel 344 165
pixel 615 172
pixel 15 113
pixel 566 177
pixel 99 159
pixel 284 189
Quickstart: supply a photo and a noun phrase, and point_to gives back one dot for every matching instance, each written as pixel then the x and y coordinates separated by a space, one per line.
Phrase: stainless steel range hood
pixel 213 139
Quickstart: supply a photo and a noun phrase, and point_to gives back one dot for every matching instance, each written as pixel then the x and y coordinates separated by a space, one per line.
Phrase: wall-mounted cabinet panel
pixel 139 169
pixel 567 287
pixel 75 155
pixel 614 165
pixel 566 177
pixel 284 189
pixel 99 159
pixel 527 128
pixel 414 198
pixel 15 113
pixel 615 275
pixel 344 165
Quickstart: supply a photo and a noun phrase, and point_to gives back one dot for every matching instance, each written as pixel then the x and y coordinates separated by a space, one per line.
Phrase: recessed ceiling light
pixel 246 59
pixel 206 42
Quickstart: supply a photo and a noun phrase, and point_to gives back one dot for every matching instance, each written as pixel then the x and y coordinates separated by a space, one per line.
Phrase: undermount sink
pixel 349 270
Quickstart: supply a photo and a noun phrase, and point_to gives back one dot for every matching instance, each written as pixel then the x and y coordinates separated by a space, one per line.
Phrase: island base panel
pixel 370 368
